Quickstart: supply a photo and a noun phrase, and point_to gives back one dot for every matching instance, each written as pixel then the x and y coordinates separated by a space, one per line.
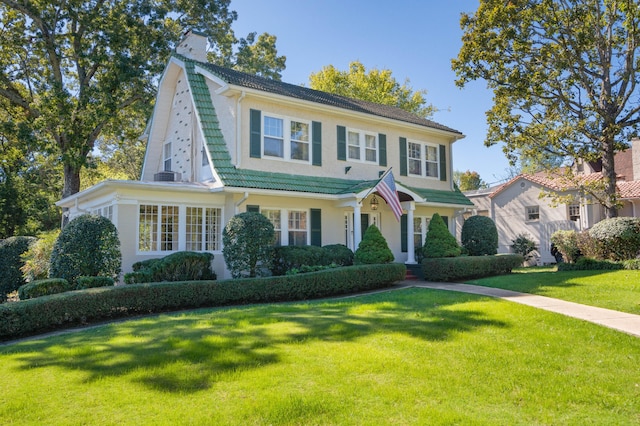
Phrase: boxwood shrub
pixel 288 258
pixel 44 287
pixel 467 267
pixel 99 304
pixel 179 266
pixel 92 282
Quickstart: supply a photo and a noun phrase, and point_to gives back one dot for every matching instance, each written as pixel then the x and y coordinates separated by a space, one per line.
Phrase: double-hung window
pixel 423 159
pixel 167 157
pixel 362 146
pixel 286 138
pixel 274 218
pixel 574 212
pixel 297 228
pixel 532 213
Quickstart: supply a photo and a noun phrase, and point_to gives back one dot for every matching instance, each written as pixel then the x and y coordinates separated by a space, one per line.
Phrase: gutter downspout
pixel 239 128
pixel 239 203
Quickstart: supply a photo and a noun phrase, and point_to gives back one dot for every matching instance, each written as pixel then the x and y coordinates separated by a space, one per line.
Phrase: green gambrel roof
pixel 256 179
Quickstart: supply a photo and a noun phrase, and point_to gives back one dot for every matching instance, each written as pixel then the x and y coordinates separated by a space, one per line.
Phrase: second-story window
pixel 423 159
pixel 362 146
pixel 286 138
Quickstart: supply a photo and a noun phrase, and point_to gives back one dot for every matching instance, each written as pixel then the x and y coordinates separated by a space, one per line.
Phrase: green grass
pixel 412 356
pixel 618 290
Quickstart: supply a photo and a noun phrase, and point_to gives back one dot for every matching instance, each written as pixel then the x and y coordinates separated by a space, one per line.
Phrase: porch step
pixel 410 275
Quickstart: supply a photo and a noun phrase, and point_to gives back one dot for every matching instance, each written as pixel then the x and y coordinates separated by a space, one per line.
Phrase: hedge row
pixel 589 264
pixel 468 267
pixel 98 304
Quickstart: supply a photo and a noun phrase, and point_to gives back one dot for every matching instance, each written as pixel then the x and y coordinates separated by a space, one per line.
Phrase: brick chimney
pixel 193 45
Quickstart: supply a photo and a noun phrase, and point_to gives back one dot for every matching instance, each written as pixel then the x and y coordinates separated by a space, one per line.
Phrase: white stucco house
pixel 221 142
pixel 519 206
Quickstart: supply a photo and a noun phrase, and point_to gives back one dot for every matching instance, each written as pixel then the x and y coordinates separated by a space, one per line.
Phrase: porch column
pixel 357 225
pixel 411 255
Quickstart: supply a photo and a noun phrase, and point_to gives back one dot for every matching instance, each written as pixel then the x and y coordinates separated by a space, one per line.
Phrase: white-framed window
pixel 159 228
pixel 274 217
pixel 106 211
pixel 298 227
pixel 167 157
pixel 362 146
pixel 423 159
pixel 574 212
pixel 286 138
pixel 203 228
pixel 532 213
pixel 205 157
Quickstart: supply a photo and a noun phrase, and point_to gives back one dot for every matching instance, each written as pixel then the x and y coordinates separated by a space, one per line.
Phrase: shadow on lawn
pixel 189 352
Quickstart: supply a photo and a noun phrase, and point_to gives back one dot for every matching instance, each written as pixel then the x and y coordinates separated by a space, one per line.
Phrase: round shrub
pixel 179 266
pixel 10 263
pixel 440 242
pixel 248 244
pixel 43 288
pixel 618 238
pixel 339 254
pixel 87 246
pixel 479 236
pixel 373 248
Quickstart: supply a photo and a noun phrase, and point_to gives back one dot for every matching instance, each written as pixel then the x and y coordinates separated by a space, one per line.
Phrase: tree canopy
pixel 73 68
pixel 375 85
pixel 468 181
pixel 564 74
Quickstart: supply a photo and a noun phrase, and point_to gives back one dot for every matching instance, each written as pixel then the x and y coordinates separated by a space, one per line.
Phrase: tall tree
pixel 377 86
pixel 564 74
pixel 468 181
pixel 73 67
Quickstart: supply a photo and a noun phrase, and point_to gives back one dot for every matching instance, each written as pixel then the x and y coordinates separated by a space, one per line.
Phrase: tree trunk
pixel 71 180
pixel 609 174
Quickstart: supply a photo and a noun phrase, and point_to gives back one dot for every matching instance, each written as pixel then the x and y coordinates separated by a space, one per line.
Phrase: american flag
pixel 386 187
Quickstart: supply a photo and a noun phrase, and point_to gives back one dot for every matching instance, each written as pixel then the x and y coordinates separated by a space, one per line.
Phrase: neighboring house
pixel 221 142
pixel 520 206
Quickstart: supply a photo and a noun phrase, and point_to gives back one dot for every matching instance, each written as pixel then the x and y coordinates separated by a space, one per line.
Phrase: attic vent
pixel 166 177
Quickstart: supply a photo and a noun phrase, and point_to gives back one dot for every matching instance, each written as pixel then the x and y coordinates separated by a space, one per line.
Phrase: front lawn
pixel 618 290
pixel 412 356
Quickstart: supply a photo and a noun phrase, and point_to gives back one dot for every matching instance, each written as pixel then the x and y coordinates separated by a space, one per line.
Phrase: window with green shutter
pixel 382 146
pixel 255 143
pixel 342 143
pixel 316 137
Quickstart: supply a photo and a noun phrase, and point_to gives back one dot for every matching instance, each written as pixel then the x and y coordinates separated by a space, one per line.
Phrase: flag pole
pixel 379 180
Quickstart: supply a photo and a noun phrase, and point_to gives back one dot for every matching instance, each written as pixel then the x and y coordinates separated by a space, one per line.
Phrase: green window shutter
pixel 316 143
pixel 342 143
pixel 403 234
pixel 445 219
pixel 443 162
pixel 316 227
pixel 403 156
pixel 382 145
pixel 253 209
pixel 255 122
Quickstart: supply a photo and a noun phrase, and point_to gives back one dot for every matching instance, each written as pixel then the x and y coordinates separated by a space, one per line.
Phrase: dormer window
pixel 167 157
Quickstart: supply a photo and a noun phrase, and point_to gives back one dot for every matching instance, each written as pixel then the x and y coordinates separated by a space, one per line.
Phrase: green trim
pixel 253 209
pixel 403 156
pixel 316 143
pixel 404 245
pixel 342 143
pixel 382 145
pixel 255 126
pixel 316 227
pixel 443 163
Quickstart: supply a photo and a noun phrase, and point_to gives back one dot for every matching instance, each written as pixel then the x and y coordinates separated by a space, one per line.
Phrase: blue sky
pixel 415 39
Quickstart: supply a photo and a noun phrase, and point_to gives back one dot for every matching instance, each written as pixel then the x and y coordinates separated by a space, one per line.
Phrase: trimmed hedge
pixel 99 304
pixel 590 264
pixel 45 287
pixel 467 267
pixel 93 282
pixel 179 266
pixel 289 258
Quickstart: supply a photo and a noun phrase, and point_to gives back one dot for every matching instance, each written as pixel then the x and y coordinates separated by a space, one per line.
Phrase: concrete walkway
pixel 621 321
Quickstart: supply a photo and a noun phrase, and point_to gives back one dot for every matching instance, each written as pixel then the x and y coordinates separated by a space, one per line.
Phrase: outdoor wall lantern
pixel 374 203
